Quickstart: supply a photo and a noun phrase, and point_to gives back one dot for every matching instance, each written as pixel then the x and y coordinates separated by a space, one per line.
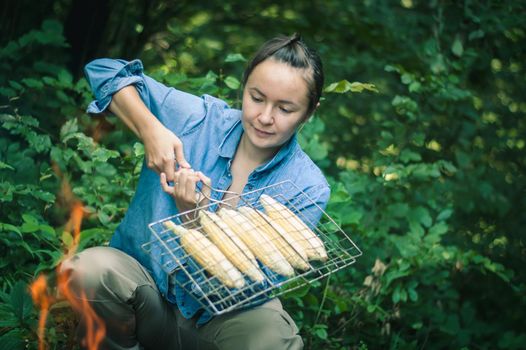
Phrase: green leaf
pixel 297 288
pixel 9 228
pixel 407 156
pixel 69 127
pixel 444 214
pixel 232 82
pixel 235 57
pixel 421 215
pixel 65 77
pixel 52 26
pixel 399 209
pixel 15 85
pixel 39 143
pixel 30 219
pixel 406 78
pixel 33 83
pixel 21 301
pixel 138 149
pixel 12 340
pixel 320 330
pixel 413 295
pixel 45 196
pixel 438 229
pixel 103 155
pixel 477 34
pixel 5 166
pixel 396 295
pixel 344 86
pixel 457 47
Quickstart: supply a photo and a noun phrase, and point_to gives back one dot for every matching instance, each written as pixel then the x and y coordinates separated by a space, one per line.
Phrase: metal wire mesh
pixel 199 277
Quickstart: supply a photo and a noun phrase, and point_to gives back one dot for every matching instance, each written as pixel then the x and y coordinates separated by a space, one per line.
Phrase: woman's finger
pixel 179 155
pixel 181 181
pixel 168 166
pixel 206 189
pixel 190 185
pixel 164 184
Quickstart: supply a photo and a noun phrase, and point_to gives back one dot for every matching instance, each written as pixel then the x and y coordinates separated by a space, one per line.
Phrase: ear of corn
pixel 207 255
pixel 259 244
pixel 232 246
pixel 312 244
pixel 291 250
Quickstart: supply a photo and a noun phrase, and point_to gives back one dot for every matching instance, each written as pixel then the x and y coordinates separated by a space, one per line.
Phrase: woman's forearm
pixel 127 105
pixel 162 147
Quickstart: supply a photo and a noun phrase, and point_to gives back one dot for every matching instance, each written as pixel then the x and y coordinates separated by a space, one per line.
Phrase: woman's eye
pixel 256 99
pixel 285 110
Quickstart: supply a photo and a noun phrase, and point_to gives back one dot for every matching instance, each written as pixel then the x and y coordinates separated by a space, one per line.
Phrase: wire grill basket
pixel 167 250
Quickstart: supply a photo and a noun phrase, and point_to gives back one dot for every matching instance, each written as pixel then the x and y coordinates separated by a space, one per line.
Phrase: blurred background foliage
pixel 427 174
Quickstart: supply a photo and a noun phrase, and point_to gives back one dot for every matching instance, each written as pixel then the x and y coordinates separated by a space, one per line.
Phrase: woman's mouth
pixel 262 133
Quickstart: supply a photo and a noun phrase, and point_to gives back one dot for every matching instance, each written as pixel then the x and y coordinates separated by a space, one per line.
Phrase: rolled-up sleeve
pixel 107 76
pixel 177 110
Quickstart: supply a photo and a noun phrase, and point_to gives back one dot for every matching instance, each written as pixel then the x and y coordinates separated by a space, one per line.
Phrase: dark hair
pixel 293 51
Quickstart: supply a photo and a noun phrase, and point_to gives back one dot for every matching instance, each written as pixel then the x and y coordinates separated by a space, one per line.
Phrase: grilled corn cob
pixel 207 255
pixel 291 250
pixel 259 244
pixel 234 249
pixel 312 244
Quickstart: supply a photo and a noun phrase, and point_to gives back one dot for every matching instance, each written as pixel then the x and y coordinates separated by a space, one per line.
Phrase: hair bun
pixel 295 37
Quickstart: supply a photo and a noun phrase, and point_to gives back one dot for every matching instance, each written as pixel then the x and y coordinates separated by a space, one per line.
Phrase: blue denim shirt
pixel 210 131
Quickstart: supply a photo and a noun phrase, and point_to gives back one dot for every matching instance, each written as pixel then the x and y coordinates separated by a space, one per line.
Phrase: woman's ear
pixel 308 116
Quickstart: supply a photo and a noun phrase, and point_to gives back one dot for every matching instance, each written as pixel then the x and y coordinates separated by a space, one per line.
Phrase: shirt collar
pixel 227 148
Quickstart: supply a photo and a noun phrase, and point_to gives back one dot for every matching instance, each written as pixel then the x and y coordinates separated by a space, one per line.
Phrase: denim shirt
pixel 210 131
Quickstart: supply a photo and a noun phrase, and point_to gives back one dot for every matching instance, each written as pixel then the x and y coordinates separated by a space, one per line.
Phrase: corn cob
pixel 234 249
pixel 312 244
pixel 292 251
pixel 207 255
pixel 259 244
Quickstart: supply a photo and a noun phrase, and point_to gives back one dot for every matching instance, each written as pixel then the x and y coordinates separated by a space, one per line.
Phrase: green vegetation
pixel 427 165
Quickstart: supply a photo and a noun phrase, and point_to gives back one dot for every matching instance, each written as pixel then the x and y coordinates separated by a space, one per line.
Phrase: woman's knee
pixel 259 328
pixel 102 273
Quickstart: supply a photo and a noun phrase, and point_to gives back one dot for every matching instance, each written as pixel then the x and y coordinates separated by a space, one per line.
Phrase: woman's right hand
pixel 163 150
pixel 184 191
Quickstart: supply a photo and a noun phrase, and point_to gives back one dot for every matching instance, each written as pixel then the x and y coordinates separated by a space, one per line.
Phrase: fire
pixel 95 326
pixel 41 298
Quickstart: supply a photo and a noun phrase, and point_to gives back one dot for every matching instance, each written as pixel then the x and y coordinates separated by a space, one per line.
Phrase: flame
pixel 95 326
pixel 41 298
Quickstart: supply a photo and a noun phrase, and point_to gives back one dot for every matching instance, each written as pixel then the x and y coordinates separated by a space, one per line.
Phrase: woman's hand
pixel 163 150
pixel 184 189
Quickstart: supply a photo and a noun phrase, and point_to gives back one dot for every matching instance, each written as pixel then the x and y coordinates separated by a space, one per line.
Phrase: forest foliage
pixel 421 133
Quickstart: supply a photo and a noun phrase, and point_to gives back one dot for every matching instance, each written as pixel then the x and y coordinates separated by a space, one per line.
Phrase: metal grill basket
pixel 209 291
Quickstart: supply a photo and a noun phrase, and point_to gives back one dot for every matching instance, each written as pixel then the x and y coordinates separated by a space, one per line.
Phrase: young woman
pixel 228 149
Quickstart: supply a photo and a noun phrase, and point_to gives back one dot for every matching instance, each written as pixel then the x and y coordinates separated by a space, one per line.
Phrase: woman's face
pixel 275 103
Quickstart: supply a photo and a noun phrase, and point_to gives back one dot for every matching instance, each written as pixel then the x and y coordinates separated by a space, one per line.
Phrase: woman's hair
pixel 294 52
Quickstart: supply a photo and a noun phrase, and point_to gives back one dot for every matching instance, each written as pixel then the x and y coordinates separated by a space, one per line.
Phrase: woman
pixel 228 149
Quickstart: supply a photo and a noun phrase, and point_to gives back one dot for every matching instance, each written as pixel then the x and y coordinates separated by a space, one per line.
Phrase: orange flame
pixel 95 327
pixel 41 297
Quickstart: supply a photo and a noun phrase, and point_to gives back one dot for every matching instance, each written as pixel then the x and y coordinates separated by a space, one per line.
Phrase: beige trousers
pixel 136 316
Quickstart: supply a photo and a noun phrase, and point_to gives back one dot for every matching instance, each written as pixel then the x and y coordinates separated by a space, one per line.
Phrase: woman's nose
pixel 266 115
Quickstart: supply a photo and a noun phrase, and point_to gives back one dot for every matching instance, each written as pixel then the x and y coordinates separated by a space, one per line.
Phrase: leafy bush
pixel 427 173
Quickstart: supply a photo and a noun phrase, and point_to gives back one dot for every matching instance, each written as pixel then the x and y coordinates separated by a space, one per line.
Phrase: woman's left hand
pixel 184 189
